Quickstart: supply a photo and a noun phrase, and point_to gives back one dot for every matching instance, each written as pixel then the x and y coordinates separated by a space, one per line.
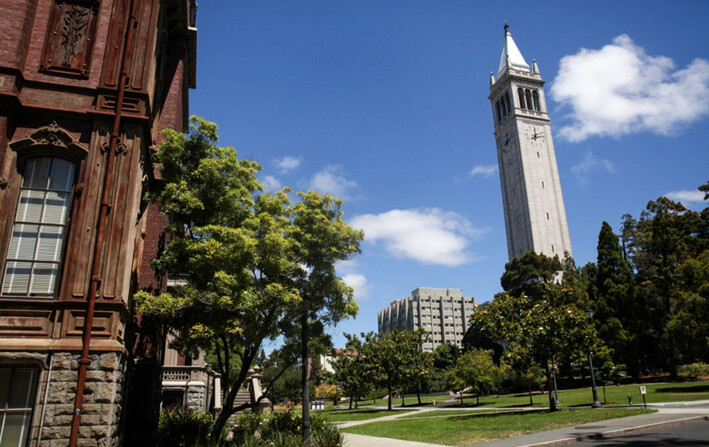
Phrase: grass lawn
pixel 445 413
pixel 409 401
pixel 615 395
pixel 474 427
pixel 359 414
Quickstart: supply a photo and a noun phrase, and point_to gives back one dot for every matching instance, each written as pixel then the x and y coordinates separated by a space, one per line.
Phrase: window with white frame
pixel 17 393
pixel 33 261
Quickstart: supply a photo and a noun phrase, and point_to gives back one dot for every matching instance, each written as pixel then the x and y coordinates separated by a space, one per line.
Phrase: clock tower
pixel 535 218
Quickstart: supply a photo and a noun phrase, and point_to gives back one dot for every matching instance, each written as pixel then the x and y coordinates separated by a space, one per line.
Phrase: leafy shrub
pixel 284 439
pixel 183 427
pixel 247 428
pixel 328 436
pixel 281 430
pixel 694 370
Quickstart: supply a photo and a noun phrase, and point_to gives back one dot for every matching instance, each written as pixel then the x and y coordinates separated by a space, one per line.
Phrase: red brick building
pixel 85 88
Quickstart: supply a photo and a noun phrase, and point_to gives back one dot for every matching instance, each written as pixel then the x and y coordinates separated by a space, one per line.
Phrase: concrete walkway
pixel 669 413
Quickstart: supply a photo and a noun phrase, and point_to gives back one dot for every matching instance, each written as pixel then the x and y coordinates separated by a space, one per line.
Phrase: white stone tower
pixel 535 217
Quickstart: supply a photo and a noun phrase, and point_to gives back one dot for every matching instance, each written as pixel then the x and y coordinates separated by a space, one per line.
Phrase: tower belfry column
pixel 535 217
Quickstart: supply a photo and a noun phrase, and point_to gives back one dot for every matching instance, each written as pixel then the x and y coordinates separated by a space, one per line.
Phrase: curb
pixel 613 433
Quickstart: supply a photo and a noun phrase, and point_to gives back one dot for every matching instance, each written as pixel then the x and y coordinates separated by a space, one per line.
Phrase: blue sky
pixel 384 104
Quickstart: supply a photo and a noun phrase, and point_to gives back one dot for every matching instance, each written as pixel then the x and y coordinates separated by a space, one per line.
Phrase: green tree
pixel 476 370
pixel 666 236
pixel 353 370
pixel 320 239
pixel 689 321
pixel 445 356
pixel 607 371
pixel 528 379
pixel 529 273
pixel 249 258
pixel 475 338
pixel 614 304
pixel 393 357
pixel 419 368
pixel 535 332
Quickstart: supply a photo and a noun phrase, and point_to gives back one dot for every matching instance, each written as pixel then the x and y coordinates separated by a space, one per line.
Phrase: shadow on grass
pixel 683 389
pixel 480 416
pixel 493 405
pixel 357 411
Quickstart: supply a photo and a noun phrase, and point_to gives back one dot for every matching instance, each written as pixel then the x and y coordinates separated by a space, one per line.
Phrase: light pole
pixel 596 403
pixel 556 392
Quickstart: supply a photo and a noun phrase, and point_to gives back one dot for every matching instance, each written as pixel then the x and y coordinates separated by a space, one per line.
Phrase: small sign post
pixel 643 391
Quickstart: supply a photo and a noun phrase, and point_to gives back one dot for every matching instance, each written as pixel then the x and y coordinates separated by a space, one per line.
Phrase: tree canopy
pixel 529 273
pixel 475 370
pixel 536 332
pixel 249 259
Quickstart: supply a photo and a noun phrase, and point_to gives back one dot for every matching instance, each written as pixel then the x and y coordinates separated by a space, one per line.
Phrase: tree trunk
pixel 390 396
pixel 418 396
pixel 350 402
pixel 531 402
pixel 552 401
pixel 403 396
pixel 478 399
pixel 228 404
pixel 304 376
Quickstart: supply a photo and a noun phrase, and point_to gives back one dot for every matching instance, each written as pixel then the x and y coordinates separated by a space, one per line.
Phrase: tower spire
pixel 511 57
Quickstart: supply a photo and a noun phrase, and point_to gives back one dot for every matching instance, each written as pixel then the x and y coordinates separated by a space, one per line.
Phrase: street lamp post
pixel 596 403
pixel 556 391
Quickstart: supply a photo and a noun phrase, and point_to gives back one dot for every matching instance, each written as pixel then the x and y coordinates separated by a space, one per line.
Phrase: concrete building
pixel 443 313
pixel 85 88
pixel 535 217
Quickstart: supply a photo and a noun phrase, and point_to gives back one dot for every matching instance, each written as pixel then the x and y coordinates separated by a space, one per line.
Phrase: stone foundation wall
pixel 196 395
pixel 103 401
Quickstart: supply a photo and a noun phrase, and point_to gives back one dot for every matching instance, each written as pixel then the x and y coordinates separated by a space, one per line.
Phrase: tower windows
pixel 528 99
pixel 535 99
pixel 520 93
pixel 503 106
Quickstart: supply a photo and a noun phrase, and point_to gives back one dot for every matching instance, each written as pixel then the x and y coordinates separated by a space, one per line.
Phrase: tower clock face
pixel 535 134
pixel 506 142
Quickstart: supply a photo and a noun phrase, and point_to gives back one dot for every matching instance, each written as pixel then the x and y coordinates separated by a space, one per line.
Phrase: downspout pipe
pixel 95 283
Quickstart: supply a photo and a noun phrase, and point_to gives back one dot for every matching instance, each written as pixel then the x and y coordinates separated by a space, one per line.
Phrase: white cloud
pixel 270 183
pixel 331 180
pixel 431 236
pixel 620 89
pixel 287 164
pixel 588 164
pixel 359 283
pixel 484 170
pixel 688 198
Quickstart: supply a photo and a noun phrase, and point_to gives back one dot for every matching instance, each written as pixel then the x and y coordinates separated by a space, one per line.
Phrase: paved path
pixel 669 413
